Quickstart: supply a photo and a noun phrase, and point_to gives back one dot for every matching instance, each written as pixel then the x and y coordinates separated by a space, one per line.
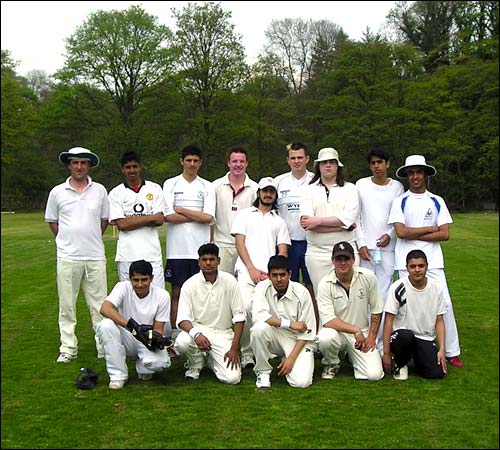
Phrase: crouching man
pixel 135 316
pixel 284 325
pixel 210 305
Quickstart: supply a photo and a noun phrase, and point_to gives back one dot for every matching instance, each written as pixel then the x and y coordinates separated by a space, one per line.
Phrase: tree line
pixel 429 85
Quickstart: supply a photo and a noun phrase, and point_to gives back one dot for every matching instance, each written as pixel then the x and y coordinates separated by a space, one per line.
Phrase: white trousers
pixel 221 341
pixel 228 257
pixel 91 276
pixel 118 344
pixel 451 331
pixel 268 341
pixel 247 288
pixel 158 275
pixel 367 366
pixel 384 273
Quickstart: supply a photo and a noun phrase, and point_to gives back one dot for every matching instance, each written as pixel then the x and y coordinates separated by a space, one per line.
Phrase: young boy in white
pixel 258 232
pixel 414 316
pixel 209 306
pixel 284 326
pixel 421 220
pixel 350 309
pixel 136 207
pixel 376 194
pixel 132 305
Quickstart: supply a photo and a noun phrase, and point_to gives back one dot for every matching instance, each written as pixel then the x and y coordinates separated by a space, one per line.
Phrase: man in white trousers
pixel 422 220
pixel 350 308
pixel 376 194
pixel 259 234
pixel 77 214
pixel 135 314
pixel 284 326
pixel 210 306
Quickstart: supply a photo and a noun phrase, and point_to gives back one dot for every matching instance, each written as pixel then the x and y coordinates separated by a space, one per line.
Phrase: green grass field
pixel 41 408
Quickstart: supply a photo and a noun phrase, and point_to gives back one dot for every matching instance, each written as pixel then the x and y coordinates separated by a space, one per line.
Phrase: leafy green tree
pixel 428 26
pixel 123 52
pixel 210 63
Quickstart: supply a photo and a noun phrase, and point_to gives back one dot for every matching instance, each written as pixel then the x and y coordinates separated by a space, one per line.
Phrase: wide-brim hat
pixel 415 161
pixel 80 153
pixel 267 182
pixel 327 154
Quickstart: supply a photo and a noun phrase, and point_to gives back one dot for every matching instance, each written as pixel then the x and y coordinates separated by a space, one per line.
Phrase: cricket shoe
pixel 65 358
pixel 330 371
pixel 263 380
pixel 455 361
pixel 400 373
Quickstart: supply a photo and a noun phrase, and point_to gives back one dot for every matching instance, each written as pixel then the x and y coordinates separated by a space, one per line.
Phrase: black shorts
pixel 177 271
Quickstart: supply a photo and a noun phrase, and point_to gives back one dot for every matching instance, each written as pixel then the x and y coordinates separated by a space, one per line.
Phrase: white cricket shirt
pixel 143 242
pixel 79 216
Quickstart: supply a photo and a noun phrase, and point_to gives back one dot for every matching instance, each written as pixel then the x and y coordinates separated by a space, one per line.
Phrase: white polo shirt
pixel 155 306
pixel 354 307
pixel 419 210
pixel 228 203
pixel 263 232
pixel 143 242
pixel 217 305
pixel 295 305
pixel 79 216
pixel 418 309
pixel 290 191
pixel 341 202
pixel 184 239
pixel 375 203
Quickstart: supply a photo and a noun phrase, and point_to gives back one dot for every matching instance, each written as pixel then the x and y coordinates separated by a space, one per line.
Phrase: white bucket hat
pixel 415 161
pixel 327 154
pixel 80 153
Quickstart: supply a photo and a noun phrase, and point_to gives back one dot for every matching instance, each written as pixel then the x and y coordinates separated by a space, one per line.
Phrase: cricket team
pixel 265 276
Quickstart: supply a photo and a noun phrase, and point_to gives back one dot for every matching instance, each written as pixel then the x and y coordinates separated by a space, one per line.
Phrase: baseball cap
pixel 266 182
pixel 80 153
pixel 327 154
pixel 343 249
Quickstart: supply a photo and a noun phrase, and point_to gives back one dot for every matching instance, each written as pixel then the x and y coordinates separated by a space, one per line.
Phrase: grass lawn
pixel 41 408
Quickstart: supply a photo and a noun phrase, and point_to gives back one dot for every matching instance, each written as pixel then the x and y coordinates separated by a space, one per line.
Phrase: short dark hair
pixel 208 249
pixel 237 149
pixel 378 153
pixel 416 254
pixel 190 150
pixel 297 146
pixel 141 267
pixel 277 262
pixel 130 156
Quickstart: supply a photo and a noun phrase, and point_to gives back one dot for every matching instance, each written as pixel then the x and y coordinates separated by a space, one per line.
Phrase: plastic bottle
pixel 377 255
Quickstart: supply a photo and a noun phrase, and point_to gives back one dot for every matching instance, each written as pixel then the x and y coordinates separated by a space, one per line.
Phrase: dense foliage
pixel 131 83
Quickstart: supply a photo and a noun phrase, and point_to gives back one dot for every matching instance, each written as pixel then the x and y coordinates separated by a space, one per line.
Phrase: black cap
pixel 343 249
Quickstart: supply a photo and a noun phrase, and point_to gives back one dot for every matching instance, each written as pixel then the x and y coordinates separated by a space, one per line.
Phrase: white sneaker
pixel 192 374
pixel 117 384
pixel 247 361
pixel 329 371
pixel 401 373
pixel 65 358
pixel 145 376
pixel 263 380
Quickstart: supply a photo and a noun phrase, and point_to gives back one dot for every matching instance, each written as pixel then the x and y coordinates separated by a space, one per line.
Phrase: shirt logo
pixel 149 196
pixel 428 216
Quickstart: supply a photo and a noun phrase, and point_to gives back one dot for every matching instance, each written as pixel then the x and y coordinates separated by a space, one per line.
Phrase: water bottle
pixel 377 255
